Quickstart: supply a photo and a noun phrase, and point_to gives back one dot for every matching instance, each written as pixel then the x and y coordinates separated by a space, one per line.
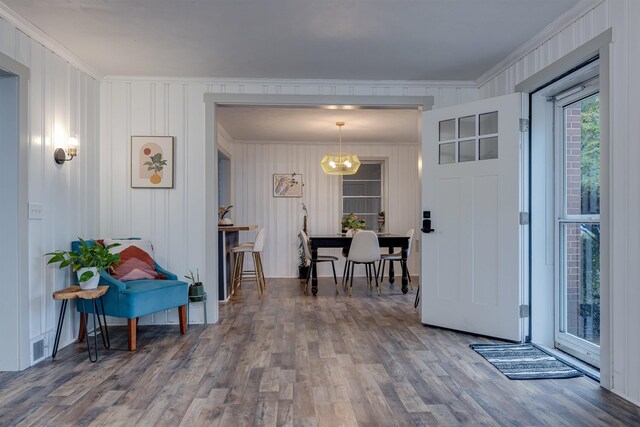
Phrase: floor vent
pixel 37 350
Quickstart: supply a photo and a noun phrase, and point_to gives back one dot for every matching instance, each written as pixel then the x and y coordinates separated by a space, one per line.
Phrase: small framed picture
pixel 287 185
pixel 151 162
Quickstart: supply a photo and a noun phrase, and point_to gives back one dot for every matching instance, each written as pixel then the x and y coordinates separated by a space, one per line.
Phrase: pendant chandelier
pixel 340 163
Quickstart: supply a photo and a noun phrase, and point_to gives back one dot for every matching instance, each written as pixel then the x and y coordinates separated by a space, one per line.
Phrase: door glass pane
pixel 582 156
pixel 447 130
pixel 489 123
pixel 447 153
pixel 489 148
pixel 467 151
pixel 467 127
pixel 581 273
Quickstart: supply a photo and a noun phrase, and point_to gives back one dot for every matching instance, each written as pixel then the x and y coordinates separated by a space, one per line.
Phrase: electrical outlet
pixel 35 211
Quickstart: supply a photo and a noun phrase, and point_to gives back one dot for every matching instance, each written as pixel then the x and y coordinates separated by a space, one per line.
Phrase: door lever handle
pixel 426 226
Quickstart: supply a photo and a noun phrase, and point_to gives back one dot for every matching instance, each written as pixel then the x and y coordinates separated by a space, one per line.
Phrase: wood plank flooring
pixel 298 360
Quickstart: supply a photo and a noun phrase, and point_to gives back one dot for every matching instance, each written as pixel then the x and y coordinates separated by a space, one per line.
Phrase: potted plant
pixel 88 262
pixel 351 222
pixel 196 288
pixel 222 212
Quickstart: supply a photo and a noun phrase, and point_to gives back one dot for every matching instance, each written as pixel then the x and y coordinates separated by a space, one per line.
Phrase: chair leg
pixel 351 284
pixel 240 269
pixel 333 267
pixel 309 274
pixel 131 328
pixel 264 282
pixel 377 283
pixel 182 316
pixel 257 273
pixel 408 275
pixel 236 269
pixel 345 275
pixel 381 270
pixel 260 272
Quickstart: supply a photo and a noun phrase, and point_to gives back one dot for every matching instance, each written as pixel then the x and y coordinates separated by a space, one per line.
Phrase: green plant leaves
pixel 88 255
pixel 85 276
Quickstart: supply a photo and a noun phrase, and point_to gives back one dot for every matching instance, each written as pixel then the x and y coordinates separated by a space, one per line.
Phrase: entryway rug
pixel 524 362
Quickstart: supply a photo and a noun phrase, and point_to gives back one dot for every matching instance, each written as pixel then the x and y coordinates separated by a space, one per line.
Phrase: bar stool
pixel 238 267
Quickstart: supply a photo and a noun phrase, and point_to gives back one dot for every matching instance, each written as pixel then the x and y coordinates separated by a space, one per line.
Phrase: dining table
pixel 385 240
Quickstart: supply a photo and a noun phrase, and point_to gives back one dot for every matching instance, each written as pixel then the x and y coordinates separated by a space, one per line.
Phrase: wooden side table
pixel 82 295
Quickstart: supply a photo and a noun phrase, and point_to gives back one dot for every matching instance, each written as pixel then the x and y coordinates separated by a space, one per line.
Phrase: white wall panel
pixel 62 101
pixel 622 16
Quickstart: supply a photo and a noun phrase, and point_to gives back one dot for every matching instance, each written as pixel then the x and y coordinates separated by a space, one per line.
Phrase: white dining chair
pixel 345 254
pixel 397 256
pixel 319 258
pixel 238 268
pixel 365 250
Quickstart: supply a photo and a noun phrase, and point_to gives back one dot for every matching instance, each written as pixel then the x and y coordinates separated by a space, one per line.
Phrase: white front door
pixel 474 188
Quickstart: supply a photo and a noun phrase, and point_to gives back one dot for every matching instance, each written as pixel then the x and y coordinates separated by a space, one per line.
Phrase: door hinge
pixel 524 218
pixel 524 311
pixel 524 125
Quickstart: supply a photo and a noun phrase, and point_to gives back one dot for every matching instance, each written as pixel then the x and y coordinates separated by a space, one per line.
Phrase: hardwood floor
pixel 295 359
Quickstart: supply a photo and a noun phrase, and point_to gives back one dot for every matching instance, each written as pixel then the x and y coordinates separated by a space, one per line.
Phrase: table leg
pixel 314 275
pixel 56 342
pixel 86 331
pixel 391 270
pixel 405 273
pixel 104 332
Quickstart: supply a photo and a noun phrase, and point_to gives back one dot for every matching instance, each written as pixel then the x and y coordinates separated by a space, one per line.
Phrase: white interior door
pixel 473 185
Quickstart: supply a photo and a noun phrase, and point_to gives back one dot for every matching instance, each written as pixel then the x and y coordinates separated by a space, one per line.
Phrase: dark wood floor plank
pixel 297 360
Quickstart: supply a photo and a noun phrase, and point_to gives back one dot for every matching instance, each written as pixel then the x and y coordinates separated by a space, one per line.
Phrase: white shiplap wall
pixel 63 100
pixel 622 375
pixel 174 219
pixel 564 37
pixel 255 165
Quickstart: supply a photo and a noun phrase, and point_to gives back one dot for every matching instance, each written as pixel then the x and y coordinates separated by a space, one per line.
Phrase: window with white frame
pixel 363 193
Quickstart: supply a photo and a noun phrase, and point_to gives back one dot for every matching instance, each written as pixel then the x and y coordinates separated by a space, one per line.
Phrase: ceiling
pixel 305 125
pixel 293 39
pixel 296 39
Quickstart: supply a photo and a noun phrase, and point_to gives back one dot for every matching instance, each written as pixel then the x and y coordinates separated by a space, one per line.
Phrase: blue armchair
pixel 136 298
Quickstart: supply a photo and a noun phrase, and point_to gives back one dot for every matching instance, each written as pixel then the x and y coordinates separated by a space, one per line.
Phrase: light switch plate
pixel 35 211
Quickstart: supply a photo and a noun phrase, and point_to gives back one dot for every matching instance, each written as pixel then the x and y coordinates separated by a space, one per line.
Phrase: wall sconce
pixel 60 155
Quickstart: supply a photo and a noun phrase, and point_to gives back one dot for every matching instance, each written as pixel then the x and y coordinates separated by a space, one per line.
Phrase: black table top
pixel 342 241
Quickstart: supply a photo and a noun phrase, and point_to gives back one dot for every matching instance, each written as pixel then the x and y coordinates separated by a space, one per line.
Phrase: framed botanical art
pixel 151 162
pixel 287 185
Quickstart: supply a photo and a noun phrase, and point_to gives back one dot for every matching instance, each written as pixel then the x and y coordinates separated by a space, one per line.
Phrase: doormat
pixel 524 362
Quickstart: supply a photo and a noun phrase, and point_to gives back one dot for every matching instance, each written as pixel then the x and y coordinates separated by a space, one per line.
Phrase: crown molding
pixel 222 131
pixel 322 143
pixel 293 82
pixel 46 40
pixel 548 32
